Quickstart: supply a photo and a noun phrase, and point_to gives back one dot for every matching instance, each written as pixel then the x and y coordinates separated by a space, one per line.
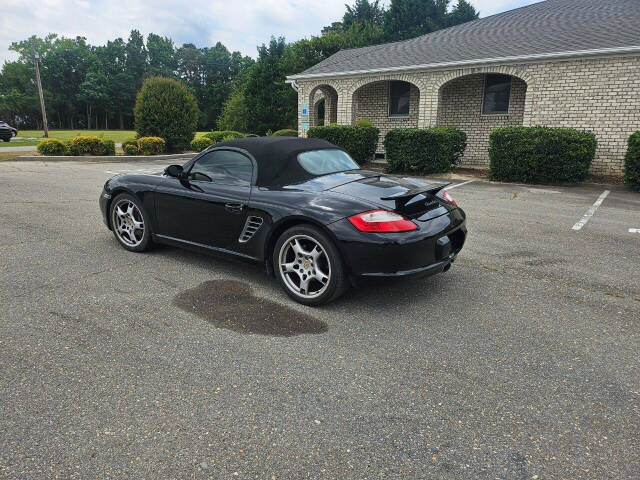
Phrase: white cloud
pixel 239 24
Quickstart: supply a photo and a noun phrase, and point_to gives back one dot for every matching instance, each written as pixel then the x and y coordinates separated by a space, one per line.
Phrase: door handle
pixel 234 207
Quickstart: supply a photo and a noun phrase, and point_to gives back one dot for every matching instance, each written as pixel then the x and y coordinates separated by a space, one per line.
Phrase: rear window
pixel 323 162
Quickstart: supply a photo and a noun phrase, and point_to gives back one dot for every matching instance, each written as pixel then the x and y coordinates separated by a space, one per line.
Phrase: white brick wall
pixel 371 102
pixel 597 94
pixel 460 105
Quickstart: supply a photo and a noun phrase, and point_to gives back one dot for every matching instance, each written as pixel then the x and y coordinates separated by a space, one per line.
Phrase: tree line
pixel 87 86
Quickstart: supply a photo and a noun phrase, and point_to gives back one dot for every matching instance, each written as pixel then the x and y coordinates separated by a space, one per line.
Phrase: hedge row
pixel 80 145
pixel 540 154
pixel 285 132
pixel 632 162
pixel 92 145
pixel 144 146
pixel 428 150
pixel 224 135
pixel 200 143
pixel 358 140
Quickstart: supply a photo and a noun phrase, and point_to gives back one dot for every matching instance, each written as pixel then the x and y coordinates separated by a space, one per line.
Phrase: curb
pixel 98 158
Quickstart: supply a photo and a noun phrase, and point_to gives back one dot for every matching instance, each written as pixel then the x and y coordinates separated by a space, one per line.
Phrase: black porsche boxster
pixel 302 207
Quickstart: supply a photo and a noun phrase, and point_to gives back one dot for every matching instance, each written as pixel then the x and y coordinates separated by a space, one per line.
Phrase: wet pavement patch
pixel 231 304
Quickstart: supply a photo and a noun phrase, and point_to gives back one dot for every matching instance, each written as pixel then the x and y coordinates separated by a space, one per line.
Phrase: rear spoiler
pixel 402 199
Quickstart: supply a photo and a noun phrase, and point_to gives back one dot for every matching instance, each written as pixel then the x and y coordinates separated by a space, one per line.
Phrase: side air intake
pixel 251 226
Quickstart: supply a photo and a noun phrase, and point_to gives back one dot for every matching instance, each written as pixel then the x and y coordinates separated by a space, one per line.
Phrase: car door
pixel 208 205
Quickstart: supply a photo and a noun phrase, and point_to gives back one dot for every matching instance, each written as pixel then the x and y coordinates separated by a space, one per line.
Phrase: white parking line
pixel 634 230
pixel 459 184
pixel 139 170
pixel 583 221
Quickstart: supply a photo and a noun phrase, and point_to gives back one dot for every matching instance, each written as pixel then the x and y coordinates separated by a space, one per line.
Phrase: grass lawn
pixel 10 155
pixel 19 143
pixel 24 136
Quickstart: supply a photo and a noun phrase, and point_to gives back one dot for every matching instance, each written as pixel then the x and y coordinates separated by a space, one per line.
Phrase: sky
pixel 238 24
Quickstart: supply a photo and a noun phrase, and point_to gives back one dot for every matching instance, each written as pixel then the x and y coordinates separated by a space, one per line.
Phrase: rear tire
pixel 308 266
pixel 130 223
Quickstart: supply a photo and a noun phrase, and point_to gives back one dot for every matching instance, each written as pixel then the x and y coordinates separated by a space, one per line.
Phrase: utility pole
pixel 36 56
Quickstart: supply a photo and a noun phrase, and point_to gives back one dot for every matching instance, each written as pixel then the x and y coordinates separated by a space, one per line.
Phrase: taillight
pixel 445 195
pixel 382 221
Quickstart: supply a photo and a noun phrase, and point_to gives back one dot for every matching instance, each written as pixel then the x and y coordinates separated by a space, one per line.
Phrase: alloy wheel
pixel 304 266
pixel 128 223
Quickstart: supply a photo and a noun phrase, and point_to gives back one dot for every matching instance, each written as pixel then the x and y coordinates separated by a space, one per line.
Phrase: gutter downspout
pixel 293 84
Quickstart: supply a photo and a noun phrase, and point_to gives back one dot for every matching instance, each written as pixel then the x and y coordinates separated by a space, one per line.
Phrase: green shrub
pixel 87 145
pixel 364 123
pixel 52 146
pixel 200 143
pixel 247 135
pixel 632 162
pixel 151 145
pixel 219 136
pixel 109 147
pixel 359 141
pixel 540 154
pixel 130 141
pixel 429 150
pixel 285 132
pixel 165 108
pixel 130 149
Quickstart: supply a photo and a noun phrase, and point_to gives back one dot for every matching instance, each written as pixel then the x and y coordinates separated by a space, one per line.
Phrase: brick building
pixel 560 63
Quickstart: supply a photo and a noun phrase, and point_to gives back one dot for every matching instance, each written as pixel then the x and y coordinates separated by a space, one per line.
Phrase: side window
pixel 223 166
pixel 497 90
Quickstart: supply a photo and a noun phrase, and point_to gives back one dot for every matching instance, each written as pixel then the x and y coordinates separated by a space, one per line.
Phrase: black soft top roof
pixel 277 157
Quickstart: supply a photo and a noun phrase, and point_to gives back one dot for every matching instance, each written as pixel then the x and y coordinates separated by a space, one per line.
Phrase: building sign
pixel 304 126
pixel 304 109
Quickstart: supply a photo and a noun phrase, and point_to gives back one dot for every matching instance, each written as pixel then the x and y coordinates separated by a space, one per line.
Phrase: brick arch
pixel 413 79
pixel 330 95
pixel 368 99
pixel 429 111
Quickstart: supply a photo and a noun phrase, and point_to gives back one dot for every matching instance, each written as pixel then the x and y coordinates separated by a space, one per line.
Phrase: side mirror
pixel 174 171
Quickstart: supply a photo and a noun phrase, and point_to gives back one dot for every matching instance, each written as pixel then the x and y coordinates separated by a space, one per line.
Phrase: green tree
pixel 93 92
pixel 162 59
pixel 363 12
pixel 19 100
pixel 165 108
pixel 235 114
pixel 461 13
pixel 267 96
pixel 411 18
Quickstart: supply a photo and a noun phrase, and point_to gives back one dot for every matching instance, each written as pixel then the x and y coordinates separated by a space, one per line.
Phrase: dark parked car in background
pixel 6 131
pixel 302 207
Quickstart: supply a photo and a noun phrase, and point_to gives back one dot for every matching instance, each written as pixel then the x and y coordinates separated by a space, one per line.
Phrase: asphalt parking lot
pixel 521 362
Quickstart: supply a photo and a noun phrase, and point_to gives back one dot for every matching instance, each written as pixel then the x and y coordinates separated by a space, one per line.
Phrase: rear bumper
pixel 426 251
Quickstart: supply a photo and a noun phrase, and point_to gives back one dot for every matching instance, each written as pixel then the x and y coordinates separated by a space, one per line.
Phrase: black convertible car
pixel 302 207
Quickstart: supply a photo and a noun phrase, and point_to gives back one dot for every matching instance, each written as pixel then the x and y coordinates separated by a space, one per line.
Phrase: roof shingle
pixel 545 28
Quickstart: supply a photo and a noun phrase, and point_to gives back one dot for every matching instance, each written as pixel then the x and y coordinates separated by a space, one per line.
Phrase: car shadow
pixel 383 295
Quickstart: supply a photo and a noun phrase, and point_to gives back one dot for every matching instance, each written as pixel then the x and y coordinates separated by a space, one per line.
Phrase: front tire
pixel 308 266
pixel 130 223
